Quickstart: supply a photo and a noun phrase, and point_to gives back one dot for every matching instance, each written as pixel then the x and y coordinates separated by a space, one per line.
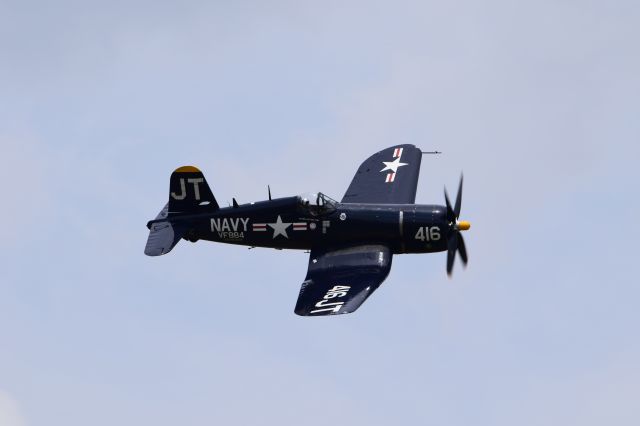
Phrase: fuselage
pixel 288 223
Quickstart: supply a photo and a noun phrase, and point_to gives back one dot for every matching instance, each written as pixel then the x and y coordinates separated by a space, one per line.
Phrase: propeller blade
pixel 455 243
pixel 462 249
pixel 451 217
pixel 452 245
pixel 456 209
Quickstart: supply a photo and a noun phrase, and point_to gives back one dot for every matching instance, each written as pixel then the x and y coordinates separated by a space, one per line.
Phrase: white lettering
pixel 426 233
pixel 325 225
pixel 325 303
pixel 229 224
pixel 183 195
pixel 196 188
pixel 334 309
pixel 231 235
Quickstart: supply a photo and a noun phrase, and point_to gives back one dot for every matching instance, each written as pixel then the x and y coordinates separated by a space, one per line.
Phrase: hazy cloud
pixel 9 411
pixel 536 103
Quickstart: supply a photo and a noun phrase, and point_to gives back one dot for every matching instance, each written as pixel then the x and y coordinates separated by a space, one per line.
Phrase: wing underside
pixel 339 280
pixel 387 177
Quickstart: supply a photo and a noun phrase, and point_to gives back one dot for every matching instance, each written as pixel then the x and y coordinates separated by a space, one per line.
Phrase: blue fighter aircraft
pixel 351 242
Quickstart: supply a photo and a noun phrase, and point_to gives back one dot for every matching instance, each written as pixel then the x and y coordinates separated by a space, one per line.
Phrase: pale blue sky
pixel 537 102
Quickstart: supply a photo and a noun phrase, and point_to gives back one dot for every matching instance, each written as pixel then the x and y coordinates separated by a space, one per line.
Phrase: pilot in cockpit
pixel 317 203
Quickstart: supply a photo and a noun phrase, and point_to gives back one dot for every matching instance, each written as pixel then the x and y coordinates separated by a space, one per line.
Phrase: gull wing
pixel 387 177
pixel 339 280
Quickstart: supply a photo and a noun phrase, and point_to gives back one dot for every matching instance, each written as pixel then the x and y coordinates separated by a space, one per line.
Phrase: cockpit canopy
pixel 317 203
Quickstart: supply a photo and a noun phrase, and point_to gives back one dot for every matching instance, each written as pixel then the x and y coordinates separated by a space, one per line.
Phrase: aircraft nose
pixel 463 225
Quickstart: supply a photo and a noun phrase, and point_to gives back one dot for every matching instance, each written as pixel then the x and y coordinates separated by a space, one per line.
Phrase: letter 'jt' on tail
pixel 189 193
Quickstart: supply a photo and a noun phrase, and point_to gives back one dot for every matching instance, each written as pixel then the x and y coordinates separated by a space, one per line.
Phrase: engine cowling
pixel 425 229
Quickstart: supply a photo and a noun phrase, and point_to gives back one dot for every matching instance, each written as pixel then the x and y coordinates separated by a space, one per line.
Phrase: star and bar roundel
pixel 393 166
pixel 279 227
pixel 377 179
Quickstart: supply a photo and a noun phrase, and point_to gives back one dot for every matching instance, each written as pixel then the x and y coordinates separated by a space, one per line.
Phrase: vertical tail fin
pixel 189 192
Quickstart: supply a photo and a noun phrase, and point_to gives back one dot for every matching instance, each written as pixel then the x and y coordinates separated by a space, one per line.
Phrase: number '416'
pixel 428 233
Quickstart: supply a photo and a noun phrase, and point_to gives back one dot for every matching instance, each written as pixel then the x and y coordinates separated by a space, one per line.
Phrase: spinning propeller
pixel 455 243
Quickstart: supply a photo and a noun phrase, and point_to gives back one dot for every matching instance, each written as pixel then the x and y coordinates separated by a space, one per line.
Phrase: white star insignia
pixel 279 228
pixel 393 165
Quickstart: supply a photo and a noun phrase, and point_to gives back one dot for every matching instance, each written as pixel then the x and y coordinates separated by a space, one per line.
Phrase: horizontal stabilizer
pixel 163 235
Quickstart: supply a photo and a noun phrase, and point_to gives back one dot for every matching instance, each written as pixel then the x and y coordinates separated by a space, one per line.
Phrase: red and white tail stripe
pixel 259 227
pixel 390 177
pixel 300 226
pixel 397 153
